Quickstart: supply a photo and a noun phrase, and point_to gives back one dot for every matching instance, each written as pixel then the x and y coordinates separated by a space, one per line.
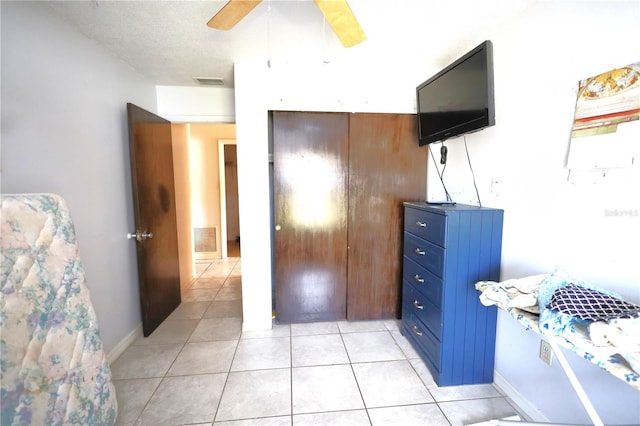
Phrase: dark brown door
pixel 155 215
pixel 386 168
pixel 310 202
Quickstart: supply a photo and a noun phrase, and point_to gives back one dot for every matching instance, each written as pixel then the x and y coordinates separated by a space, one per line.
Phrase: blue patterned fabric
pixel 556 322
pixel 592 305
pixel 54 370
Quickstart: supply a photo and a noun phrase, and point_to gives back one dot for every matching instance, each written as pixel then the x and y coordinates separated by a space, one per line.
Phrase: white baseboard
pixel 523 403
pixel 115 353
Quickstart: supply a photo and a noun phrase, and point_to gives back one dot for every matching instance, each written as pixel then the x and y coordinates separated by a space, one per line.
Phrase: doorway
pixel 229 207
pixel 201 193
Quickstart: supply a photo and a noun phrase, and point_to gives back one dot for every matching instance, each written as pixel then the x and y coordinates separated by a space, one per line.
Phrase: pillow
pixel 590 304
pixel 554 321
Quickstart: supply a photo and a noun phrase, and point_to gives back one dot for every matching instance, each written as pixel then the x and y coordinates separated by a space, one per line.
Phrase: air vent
pixel 204 240
pixel 209 81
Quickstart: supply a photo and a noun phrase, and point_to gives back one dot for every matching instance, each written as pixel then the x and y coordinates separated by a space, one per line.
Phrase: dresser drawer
pixel 424 253
pixel 414 303
pixel 430 226
pixel 416 331
pixel 424 281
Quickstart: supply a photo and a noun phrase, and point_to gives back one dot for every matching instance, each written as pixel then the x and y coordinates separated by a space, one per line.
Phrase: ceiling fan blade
pixel 232 13
pixel 344 23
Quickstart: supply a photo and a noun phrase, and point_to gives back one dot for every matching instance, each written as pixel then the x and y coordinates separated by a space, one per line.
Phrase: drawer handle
pixel 416 330
pixel 421 224
pixel 418 278
pixel 417 305
pixel 420 252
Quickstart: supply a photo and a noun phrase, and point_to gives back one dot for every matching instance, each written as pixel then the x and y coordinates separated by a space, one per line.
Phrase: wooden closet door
pixel 386 168
pixel 310 214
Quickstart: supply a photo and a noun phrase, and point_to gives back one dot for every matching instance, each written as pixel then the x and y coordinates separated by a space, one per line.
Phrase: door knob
pixel 139 236
pixel 278 227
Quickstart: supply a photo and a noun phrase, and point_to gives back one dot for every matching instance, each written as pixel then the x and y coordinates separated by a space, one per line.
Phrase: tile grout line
pixel 290 367
pixel 138 418
pixel 235 351
pixel 364 404
pixel 165 374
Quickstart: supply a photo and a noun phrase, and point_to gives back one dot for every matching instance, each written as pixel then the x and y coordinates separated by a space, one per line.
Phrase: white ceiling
pixel 169 42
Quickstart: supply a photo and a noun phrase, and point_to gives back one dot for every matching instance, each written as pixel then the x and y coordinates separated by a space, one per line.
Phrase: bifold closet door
pixel 386 168
pixel 310 172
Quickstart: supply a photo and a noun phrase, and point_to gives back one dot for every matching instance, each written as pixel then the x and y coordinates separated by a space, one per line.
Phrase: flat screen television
pixel 458 99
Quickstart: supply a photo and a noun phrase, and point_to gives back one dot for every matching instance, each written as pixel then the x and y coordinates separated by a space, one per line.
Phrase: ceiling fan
pixel 337 13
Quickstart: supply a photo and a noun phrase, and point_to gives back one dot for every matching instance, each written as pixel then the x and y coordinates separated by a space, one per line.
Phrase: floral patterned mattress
pixel 53 367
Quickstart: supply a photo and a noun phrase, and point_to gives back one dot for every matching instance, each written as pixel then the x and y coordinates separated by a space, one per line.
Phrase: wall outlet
pixel 546 353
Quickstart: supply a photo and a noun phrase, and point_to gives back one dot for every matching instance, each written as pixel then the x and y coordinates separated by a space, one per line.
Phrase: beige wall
pixel 204 175
pixel 180 136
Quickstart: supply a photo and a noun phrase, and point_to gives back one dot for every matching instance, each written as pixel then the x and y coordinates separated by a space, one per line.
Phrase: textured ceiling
pixel 169 42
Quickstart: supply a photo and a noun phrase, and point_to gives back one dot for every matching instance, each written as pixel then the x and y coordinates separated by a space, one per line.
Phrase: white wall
pixel 64 130
pixel 550 221
pixel 539 59
pixel 306 86
pixel 196 104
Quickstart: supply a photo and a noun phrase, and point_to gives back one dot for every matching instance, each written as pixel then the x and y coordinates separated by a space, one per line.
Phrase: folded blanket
pixel 571 307
pixel 514 293
pixel 596 321
pixel 556 321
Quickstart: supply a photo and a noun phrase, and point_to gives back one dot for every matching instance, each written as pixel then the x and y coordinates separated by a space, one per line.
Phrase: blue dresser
pixel 447 249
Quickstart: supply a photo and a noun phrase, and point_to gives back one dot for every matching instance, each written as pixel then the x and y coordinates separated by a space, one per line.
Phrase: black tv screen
pixel 458 99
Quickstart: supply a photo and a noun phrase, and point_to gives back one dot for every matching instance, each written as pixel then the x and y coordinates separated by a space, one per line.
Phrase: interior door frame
pixel 223 195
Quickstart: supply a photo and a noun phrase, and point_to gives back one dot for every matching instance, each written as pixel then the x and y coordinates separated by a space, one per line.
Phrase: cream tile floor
pixel 198 368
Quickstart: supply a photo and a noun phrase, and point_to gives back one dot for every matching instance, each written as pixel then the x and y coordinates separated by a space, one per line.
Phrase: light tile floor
pixel 198 368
